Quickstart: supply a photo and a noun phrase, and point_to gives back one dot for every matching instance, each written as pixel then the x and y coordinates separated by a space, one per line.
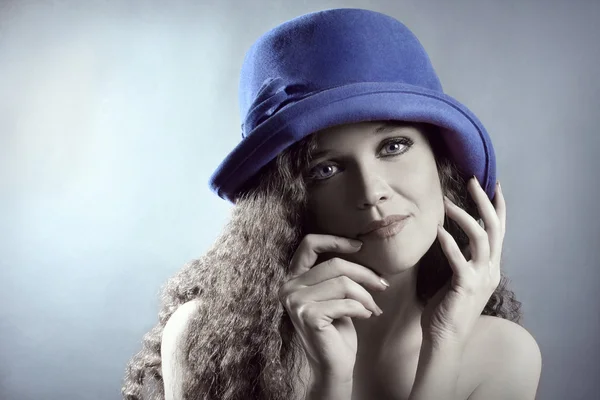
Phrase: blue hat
pixel 342 66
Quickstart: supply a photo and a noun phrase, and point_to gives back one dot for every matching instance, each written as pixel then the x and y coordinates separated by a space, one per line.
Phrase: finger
pixel 500 206
pixel 341 287
pixel 489 216
pixel 455 257
pixel 337 267
pixel 320 314
pixel 478 237
pixel 314 244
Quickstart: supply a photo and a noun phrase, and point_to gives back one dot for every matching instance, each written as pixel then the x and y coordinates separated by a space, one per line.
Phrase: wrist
pixel 437 371
pixel 446 344
pixel 329 388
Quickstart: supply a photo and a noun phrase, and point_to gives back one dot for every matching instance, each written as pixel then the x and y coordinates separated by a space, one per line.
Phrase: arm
pixel 329 391
pixel 327 388
pixel 175 368
pixel 437 371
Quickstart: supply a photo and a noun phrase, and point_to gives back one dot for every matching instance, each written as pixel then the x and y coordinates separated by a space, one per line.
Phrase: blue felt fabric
pixel 341 66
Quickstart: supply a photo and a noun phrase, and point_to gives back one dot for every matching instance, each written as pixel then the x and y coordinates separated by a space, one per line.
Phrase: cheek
pixel 436 199
pixel 430 203
pixel 437 208
pixel 324 214
pixel 329 221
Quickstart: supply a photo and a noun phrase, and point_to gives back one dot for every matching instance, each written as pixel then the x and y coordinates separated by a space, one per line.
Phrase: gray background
pixel 113 115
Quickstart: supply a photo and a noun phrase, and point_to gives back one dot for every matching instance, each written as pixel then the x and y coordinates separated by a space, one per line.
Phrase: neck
pixel 400 323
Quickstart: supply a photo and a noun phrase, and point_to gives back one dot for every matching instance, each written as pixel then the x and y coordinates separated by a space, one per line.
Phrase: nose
pixel 372 190
pixel 373 199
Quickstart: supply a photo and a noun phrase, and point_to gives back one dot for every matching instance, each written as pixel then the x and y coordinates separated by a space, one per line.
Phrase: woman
pixel 348 139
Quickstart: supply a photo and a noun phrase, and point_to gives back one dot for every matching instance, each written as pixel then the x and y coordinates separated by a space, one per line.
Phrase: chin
pixel 395 254
pixel 387 260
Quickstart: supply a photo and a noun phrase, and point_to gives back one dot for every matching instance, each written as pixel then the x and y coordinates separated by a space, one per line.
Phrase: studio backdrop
pixel 113 115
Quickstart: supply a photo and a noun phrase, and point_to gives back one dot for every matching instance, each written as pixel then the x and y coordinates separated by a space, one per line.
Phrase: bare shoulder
pixel 499 335
pixel 173 359
pixel 507 357
pixel 180 318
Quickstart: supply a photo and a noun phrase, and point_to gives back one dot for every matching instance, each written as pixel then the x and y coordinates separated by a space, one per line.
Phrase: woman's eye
pixel 393 146
pixel 321 171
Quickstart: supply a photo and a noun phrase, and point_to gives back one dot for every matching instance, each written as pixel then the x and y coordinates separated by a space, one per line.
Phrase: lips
pixel 377 224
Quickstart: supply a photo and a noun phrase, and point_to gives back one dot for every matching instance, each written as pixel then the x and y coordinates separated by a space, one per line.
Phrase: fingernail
pixel 476 180
pixel 379 309
pixel 355 243
pixel 498 183
pixel 384 282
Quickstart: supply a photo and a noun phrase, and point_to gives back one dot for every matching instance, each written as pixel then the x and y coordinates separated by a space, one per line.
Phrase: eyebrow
pixel 385 127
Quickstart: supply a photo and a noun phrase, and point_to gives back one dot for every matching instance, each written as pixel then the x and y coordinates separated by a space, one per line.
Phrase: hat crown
pixel 325 49
pixel 342 66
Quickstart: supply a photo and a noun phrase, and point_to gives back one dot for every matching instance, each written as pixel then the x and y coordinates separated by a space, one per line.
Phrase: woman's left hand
pixel 451 314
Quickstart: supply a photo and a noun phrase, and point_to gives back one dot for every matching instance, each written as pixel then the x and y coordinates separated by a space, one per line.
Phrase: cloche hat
pixel 341 66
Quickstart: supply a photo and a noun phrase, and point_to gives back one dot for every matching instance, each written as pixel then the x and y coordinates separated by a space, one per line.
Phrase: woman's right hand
pixel 322 299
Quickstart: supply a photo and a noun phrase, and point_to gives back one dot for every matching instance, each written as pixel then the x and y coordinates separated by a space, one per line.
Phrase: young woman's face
pixel 361 173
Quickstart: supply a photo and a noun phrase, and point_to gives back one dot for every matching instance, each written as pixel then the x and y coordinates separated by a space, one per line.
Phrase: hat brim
pixel 465 136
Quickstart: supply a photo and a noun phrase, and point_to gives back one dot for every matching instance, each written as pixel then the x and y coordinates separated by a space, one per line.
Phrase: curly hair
pixel 242 344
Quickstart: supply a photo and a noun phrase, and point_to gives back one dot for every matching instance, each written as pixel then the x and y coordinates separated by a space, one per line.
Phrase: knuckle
pixel 340 243
pixel 372 299
pixel 481 234
pixel 305 313
pixel 292 300
pixel 306 243
pixel 355 305
pixel 472 289
pixel 303 246
pixel 468 289
pixel 313 324
pixel 308 239
pixel 495 281
pixel 286 302
pixel 455 252
pixel 283 291
pixel 332 262
pixel 496 224
pixel 345 282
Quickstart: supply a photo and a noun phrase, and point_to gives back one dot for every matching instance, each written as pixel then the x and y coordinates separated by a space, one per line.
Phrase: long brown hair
pixel 242 344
